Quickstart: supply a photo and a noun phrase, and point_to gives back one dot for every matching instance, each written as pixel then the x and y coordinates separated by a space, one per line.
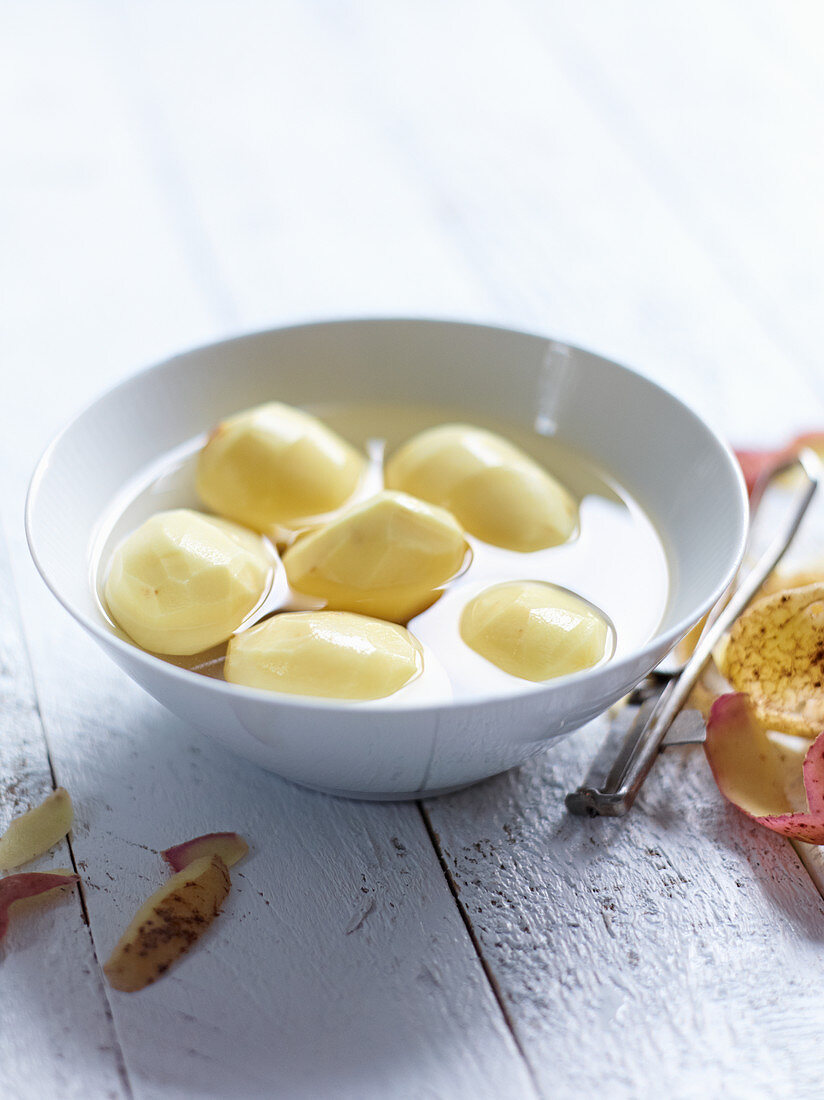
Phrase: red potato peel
pixel 754 463
pixel 29 884
pixel 757 774
pixel 231 847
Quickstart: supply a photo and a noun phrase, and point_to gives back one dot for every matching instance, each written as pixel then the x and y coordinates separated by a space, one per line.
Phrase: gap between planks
pixel 494 986
pixel 15 624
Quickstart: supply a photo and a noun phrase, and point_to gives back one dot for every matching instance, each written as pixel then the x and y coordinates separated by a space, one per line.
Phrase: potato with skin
pixel 275 466
pixel 168 924
pixel 328 654
pixel 183 581
pixel 775 654
pixel 495 490
pixel 534 630
pixel 388 557
pixel 38 829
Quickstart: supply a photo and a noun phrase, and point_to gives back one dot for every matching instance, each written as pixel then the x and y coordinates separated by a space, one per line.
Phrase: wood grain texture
pixel 97 277
pixel 669 953
pixel 556 206
pixel 339 965
pixel 56 1029
pixel 722 111
pixel 304 202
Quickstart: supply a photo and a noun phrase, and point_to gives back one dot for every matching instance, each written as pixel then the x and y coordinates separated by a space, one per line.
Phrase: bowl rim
pixel 379 707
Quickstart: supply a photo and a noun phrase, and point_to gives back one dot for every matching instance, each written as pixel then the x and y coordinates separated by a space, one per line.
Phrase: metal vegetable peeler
pixel 654 719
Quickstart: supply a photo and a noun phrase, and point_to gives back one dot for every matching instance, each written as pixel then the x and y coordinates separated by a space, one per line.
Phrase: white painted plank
pixel 546 194
pixel 339 967
pixel 671 953
pixel 307 206
pixel 720 103
pixel 55 1025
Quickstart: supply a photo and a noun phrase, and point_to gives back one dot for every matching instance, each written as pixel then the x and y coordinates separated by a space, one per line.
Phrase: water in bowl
pixel 615 562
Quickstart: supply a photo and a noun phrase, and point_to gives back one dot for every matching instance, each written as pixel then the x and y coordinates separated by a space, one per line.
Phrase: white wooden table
pixel 643 179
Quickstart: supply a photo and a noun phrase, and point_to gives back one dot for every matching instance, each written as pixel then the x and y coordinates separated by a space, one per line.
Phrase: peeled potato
pixel 167 925
pixel 775 654
pixel 534 630
pixel 389 557
pixel 182 582
pixel 331 654
pixel 494 489
pixel 274 466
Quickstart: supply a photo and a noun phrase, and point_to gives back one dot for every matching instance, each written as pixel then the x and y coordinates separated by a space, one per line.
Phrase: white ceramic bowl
pixel 676 468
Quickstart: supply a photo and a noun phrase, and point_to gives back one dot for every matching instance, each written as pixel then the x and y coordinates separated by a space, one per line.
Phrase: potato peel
pixel 29 884
pixel 231 847
pixel 38 829
pixel 757 774
pixel 775 654
pixel 756 463
pixel 811 572
pixel 168 924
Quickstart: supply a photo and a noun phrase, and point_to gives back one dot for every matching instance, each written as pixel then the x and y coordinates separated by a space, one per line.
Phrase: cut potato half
pixel 328 654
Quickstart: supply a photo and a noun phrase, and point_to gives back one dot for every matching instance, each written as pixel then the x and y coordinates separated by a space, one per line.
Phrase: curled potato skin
pixel 775 655
pixel 229 846
pixel 29 884
pixel 758 775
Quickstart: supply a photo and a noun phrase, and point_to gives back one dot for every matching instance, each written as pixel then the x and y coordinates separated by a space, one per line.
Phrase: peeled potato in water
pixel 273 466
pixel 534 630
pixel 329 654
pixel 495 490
pixel 184 581
pixel 388 557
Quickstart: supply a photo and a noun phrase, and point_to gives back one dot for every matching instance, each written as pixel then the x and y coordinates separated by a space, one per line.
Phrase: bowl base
pixel 392 796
